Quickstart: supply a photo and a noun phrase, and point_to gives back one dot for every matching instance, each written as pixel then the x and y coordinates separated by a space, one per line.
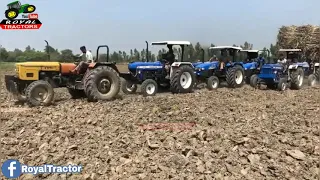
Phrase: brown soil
pixel 225 134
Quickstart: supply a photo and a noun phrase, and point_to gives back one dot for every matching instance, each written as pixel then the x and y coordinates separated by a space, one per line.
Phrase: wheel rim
pixel 150 89
pixel 312 81
pixel 215 83
pixel 30 9
pixel 185 80
pixel 300 79
pixel 283 86
pixel 12 14
pixel 238 77
pixel 130 87
pixel 40 94
pixel 104 86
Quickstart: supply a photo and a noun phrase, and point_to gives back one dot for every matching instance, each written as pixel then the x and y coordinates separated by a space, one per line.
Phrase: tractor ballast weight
pixel 214 72
pixel 34 81
pixel 179 76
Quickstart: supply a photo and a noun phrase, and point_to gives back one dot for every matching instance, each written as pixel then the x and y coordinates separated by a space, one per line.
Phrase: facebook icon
pixel 11 168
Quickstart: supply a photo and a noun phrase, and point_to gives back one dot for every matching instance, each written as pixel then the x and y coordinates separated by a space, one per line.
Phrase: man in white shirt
pixel 88 59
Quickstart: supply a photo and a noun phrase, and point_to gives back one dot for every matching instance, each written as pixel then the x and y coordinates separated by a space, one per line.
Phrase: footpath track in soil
pixel 223 134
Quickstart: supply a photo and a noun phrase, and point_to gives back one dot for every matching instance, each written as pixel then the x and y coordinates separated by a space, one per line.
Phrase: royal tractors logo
pixel 29 19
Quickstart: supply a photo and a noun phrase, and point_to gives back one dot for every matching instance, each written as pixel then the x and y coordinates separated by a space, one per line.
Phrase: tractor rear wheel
pixel 76 93
pixel 102 83
pixel 317 74
pixel 183 80
pixel 235 77
pixel 11 13
pixel 297 77
pixel 128 87
pixel 312 80
pixel 39 93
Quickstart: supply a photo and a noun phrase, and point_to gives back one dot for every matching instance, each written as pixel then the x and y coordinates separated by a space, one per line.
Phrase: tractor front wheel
pixel 11 13
pixel 102 83
pixel 39 93
pixel 282 85
pixel 213 82
pixel 128 87
pixel 30 9
pixel 149 87
pixel 254 81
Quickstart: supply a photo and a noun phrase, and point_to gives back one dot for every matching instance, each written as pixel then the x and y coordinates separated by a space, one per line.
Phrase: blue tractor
pixel 253 62
pixel 288 72
pixel 167 73
pixel 215 71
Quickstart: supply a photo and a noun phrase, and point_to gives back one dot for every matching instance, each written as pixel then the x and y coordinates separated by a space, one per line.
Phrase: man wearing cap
pixel 88 59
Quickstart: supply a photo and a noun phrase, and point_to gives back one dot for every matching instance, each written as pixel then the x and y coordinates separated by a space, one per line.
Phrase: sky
pixel 126 24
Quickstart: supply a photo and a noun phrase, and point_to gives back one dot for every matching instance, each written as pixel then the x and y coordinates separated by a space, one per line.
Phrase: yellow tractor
pixel 34 82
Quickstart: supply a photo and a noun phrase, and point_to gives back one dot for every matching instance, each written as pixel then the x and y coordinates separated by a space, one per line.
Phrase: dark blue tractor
pixel 253 62
pixel 215 71
pixel 166 73
pixel 288 72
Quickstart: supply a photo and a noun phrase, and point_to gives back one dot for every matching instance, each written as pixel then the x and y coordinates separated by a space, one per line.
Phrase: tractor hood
pixel 196 64
pixel 250 65
pixel 38 64
pixel 272 66
pixel 145 65
pixel 207 65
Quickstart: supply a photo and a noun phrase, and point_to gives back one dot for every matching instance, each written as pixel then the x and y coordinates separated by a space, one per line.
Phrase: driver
pixel 170 59
pixel 88 59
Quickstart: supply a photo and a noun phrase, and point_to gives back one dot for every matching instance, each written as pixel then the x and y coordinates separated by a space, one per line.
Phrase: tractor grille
pixel 266 71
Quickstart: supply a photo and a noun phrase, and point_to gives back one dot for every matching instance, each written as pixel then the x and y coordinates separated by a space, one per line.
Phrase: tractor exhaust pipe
pixel 48 54
pixel 147 53
pixel 202 55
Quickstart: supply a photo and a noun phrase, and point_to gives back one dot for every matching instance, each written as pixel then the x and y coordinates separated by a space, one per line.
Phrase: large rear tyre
pixel 11 13
pixel 39 93
pixel 183 80
pixel 297 77
pixel 149 87
pixel 76 93
pixel 102 83
pixel 235 77
pixel 14 89
pixel 213 82
pixel 128 87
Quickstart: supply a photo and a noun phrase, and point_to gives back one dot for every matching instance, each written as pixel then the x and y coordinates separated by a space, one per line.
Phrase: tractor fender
pixel 112 65
pixel 293 66
pixel 317 64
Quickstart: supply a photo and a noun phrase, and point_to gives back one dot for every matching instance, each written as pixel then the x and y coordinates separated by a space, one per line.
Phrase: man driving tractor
pixel 169 57
pixel 88 59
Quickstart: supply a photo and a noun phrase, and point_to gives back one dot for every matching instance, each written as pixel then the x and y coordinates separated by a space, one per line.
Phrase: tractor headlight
pixel 275 72
pixel 139 72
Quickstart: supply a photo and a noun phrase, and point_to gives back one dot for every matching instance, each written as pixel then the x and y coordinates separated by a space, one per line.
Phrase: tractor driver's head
pixel 83 49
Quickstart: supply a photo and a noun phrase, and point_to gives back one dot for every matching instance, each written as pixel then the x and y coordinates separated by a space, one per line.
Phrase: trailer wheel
pixel 39 93
pixel 102 83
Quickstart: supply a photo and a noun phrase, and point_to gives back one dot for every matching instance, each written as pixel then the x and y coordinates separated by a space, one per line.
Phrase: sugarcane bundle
pixel 305 37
